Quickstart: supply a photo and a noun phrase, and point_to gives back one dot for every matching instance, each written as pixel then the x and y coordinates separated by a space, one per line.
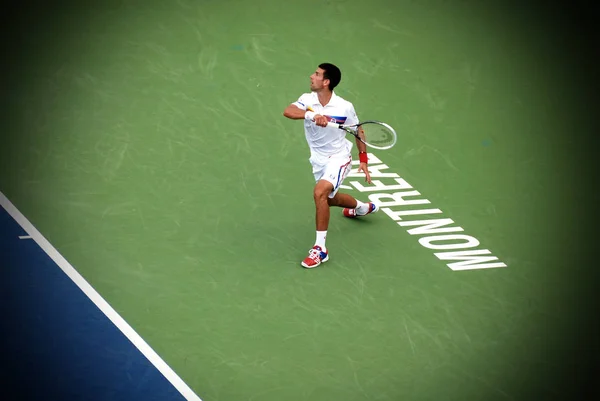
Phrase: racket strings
pixel 378 135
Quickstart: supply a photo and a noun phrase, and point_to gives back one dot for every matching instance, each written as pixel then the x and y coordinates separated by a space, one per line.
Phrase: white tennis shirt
pixel 326 141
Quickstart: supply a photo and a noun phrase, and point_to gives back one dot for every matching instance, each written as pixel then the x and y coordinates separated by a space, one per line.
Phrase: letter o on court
pixel 466 242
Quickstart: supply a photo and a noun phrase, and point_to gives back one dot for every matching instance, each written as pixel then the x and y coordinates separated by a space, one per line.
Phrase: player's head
pixel 326 76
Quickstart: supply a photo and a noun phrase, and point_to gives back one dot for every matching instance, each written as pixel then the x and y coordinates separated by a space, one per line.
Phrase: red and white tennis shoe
pixel 315 257
pixel 351 213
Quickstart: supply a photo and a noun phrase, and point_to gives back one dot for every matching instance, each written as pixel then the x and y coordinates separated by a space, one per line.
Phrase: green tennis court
pixel 146 141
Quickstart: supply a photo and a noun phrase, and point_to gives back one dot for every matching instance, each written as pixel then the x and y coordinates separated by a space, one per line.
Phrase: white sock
pixel 321 237
pixel 361 208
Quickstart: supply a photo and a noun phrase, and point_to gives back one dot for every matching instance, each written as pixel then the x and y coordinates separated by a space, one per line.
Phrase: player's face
pixel 317 82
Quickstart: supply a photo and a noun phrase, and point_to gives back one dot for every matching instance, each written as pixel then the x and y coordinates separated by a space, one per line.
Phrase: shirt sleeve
pixel 352 117
pixel 302 102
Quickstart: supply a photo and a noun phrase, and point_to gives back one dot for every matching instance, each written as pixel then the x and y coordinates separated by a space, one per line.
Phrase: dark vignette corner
pixel 568 30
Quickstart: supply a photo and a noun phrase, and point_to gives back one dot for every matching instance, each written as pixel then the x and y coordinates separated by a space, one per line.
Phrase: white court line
pixel 114 317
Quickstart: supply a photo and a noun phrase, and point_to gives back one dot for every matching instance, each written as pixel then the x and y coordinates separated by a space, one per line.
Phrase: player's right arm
pixel 299 110
pixel 294 112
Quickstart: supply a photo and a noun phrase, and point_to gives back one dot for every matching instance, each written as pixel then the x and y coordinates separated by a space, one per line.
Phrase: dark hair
pixel 332 73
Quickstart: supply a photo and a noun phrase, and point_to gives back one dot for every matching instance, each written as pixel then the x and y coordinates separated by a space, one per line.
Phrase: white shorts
pixel 334 169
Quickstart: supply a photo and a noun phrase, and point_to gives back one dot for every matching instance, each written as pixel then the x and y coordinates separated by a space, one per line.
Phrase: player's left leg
pixel 352 206
pixel 343 200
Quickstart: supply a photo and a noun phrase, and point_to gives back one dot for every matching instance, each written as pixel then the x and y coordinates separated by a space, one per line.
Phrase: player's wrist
pixel 309 115
pixel 362 157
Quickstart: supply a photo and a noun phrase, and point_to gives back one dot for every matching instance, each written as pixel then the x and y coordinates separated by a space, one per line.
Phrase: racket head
pixel 378 135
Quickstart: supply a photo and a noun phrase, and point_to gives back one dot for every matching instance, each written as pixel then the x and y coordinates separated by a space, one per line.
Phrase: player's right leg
pixel 318 253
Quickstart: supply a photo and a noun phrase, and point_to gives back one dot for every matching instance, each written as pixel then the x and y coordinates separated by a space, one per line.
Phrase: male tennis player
pixel 330 153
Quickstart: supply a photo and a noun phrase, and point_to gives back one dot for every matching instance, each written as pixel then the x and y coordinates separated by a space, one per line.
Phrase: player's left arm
pixel 362 148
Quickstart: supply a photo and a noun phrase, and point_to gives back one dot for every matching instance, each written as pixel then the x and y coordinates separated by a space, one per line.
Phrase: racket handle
pixel 333 125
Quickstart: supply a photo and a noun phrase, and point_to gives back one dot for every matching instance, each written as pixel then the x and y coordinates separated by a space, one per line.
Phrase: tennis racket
pixel 378 135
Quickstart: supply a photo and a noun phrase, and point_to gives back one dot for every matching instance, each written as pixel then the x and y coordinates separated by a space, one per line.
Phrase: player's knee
pixel 321 191
pixel 319 194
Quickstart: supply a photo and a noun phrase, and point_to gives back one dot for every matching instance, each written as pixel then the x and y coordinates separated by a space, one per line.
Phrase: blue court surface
pixel 60 339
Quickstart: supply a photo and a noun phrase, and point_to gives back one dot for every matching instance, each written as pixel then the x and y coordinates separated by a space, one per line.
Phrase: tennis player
pixel 330 153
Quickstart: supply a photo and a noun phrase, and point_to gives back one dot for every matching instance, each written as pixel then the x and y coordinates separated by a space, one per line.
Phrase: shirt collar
pixel 332 101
